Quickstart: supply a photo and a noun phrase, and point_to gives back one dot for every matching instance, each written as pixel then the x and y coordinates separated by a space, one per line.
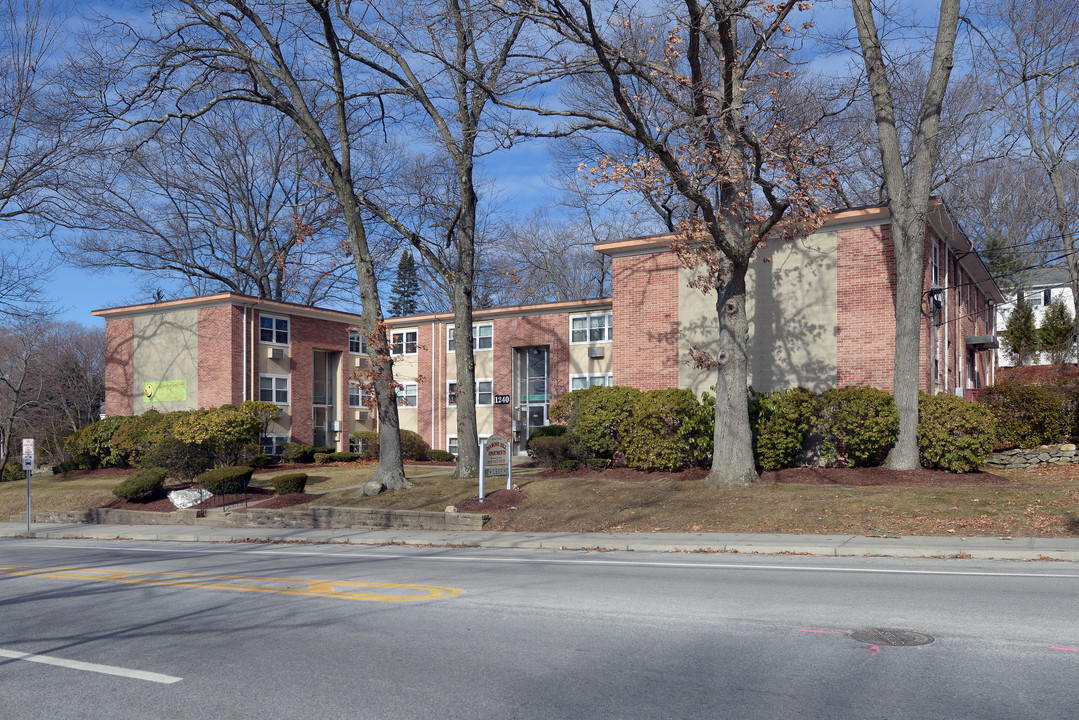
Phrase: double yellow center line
pixel 340 589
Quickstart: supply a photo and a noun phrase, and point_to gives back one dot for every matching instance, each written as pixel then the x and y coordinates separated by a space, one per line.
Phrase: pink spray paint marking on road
pixel 822 632
pixel 1063 648
pixel 874 649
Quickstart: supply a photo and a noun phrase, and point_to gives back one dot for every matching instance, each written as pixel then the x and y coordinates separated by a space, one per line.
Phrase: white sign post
pixel 495 461
pixel 28 466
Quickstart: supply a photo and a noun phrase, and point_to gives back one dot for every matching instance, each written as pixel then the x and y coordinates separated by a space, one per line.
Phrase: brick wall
pixel 305 336
pixel 220 332
pixel 645 348
pixel 119 366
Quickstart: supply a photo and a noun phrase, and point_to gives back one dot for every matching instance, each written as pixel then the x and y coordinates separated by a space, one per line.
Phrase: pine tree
pixel 406 288
pixel 1057 332
pixel 1020 333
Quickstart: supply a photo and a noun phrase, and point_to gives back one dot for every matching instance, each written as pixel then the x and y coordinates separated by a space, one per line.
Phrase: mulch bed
pixel 165 505
pixel 498 500
pixel 847 477
pixel 279 502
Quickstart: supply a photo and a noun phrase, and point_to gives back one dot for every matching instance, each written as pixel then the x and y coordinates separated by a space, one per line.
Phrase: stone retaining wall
pixel 1020 458
pixel 311 517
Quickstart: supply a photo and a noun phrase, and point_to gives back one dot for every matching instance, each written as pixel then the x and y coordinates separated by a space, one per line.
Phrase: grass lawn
pixel 1040 502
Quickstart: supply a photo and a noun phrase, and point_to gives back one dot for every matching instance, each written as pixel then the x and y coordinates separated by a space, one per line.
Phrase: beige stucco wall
pixel 166 348
pixel 793 319
pixel 581 364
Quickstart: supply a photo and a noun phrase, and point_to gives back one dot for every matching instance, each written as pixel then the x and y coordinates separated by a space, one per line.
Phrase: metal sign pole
pixel 483 465
pixel 509 473
pixel 27 501
pixel 28 465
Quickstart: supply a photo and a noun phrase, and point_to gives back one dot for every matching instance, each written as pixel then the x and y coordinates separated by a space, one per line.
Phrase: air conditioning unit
pixel 595 352
pixel 277 353
pixel 361 414
pixel 361 362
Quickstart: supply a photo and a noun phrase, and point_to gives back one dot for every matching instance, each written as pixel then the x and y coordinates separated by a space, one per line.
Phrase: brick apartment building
pixel 821 313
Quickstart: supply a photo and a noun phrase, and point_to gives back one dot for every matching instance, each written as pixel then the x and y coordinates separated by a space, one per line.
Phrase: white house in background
pixel 1040 286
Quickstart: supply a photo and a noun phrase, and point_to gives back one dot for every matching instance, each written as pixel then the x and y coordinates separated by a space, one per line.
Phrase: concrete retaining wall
pixel 1020 458
pixel 311 517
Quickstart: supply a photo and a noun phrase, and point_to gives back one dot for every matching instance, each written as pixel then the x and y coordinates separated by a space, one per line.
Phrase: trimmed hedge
pixel 367 442
pixel 953 434
pixel 546 431
pixel 653 437
pixel 180 459
pixel 290 483
pixel 598 418
pixel 1026 415
pixel 413 446
pixel 143 486
pixel 65 466
pixel 226 480
pixel 780 421
pixel 440 456
pixel 13 471
pixel 293 452
pixel 322 458
pixel 860 423
pixel 551 450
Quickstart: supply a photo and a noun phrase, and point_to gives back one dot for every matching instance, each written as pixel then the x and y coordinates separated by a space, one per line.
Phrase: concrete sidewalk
pixel 982 548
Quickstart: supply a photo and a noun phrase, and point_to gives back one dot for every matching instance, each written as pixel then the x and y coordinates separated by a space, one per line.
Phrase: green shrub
pixel 652 439
pixel 596 464
pixel 780 421
pixel 294 452
pixel 598 418
pixel 260 460
pixel 324 448
pixel 143 486
pixel 65 466
pixel 91 447
pixel 290 483
pixel 860 422
pixel 1026 415
pixel 413 446
pixel 322 458
pixel 953 434
pixel 545 431
pixel 570 465
pixel 226 480
pixel 13 471
pixel 365 442
pixel 440 456
pixel 227 434
pixel 551 450
pixel 180 459
pixel 139 434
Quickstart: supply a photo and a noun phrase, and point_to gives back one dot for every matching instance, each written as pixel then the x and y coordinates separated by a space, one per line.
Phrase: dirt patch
pixel 870 477
pixel 625 474
pixel 498 500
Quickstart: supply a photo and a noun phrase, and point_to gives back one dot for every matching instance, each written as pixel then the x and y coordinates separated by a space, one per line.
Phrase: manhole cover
pixel 891 636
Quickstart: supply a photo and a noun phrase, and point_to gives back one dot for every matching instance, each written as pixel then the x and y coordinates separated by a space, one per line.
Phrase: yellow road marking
pixel 397 592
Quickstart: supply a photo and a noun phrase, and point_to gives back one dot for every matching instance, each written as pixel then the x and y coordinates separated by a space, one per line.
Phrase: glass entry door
pixel 532 369
pixel 323 397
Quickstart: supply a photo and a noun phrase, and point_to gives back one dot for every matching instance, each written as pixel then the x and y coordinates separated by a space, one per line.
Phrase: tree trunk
pixel 732 458
pixel 468 457
pixel 908 238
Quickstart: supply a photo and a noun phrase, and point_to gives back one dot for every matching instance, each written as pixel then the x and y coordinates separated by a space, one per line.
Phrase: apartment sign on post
pixel 494 460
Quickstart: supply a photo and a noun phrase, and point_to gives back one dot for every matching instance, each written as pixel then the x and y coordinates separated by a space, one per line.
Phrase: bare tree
pixel 224 202
pixel 22 382
pixel 293 58
pixel 680 98
pixel 908 187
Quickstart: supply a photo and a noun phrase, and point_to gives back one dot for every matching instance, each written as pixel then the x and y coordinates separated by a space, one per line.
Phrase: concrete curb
pixel 979 548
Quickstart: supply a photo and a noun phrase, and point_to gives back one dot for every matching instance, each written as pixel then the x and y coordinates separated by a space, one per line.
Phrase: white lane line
pixel 341 552
pixel 91 667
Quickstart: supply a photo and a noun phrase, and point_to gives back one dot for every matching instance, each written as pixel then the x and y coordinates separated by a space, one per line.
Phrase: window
pixel 357 396
pixel 273 330
pixel 406 395
pixel 273 388
pixel 485 396
pixel 482 338
pixel 403 342
pixel 934 264
pixel 1047 295
pixel 1034 299
pixel 357 343
pixel 272 444
pixel 591 328
pixel 580 382
pixel 451 443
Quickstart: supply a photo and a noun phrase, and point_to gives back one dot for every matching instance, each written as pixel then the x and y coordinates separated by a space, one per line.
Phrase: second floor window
pixel 273 330
pixel 591 328
pixel 403 342
pixel 357 343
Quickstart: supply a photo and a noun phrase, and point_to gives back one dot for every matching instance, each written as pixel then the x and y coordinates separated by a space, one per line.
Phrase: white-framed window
pixel 274 389
pixel 272 444
pixel 358 396
pixel 485 393
pixel 595 328
pixel 1035 299
pixel 934 263
pixel 580 382
pixel 451 443
pixel 482 338
pixel 357 343
pixel 403 342
pixel 273 330
pixel 407 394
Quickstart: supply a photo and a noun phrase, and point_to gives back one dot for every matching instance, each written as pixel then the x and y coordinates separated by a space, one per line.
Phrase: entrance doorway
pixel 532 366
pixel 324 397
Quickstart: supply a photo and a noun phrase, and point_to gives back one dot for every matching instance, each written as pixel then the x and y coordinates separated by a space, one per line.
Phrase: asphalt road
pixel 154 630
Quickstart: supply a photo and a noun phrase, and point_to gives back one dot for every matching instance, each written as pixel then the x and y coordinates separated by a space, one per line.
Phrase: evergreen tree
pixel 1003 262
pixel 1020 333
pixel 406 288
pixel 1057 332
